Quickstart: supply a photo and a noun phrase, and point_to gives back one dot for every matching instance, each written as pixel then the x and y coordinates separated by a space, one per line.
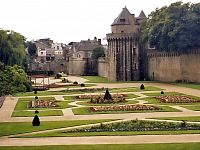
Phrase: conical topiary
pixel 36 121
pixel 107 95
pixel 142 87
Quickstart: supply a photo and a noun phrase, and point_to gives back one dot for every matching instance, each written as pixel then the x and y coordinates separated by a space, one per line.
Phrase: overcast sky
pixel 69 20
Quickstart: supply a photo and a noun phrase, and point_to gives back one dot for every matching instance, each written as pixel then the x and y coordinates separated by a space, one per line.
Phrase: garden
pixel 47 106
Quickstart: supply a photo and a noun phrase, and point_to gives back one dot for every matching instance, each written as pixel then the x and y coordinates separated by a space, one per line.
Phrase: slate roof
pixel 142 15
pixel 123 18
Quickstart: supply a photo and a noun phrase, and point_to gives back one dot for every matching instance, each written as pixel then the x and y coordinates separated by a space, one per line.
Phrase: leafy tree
pixel 31 48
pixel 98 52
pixel 173 28
pixel 13 79
pixel 12 49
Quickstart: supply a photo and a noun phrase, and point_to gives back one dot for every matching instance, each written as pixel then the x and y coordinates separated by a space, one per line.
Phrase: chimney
pixel 99 41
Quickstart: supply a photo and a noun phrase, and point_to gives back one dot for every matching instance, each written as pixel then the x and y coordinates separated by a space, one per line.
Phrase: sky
pixel 69 20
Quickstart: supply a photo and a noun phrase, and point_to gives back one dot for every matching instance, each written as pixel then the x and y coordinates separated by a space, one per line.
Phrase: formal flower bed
pixel 99 99
pixel 96 96
pixel 124 108
pixel 42 104
pixel 139 125
pixel 176 99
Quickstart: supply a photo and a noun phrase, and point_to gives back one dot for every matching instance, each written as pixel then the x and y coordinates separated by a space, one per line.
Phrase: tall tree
pixel 173 28
pixel 98 52
pixel 31 48
pixel 12 48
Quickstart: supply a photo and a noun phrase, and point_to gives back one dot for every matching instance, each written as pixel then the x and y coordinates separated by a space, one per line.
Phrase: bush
pixel 82 85
pixel 65 80
pixel 36 121
pixel 107 95
pixel 142 87
pixel 75 82
pixel 58 76
pixel 162 92
pixel 36 112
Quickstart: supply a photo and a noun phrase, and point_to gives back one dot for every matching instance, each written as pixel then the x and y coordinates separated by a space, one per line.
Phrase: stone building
pixel 79 57
pixel 123 48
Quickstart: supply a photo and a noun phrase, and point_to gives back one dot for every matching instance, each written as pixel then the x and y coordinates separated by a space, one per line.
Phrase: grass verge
pixel 167 146
pixel 12 128
pixel 41 113
pixel 191 118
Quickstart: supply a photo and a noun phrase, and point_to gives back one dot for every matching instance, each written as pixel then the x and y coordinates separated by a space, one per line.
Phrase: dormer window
pixel 122 20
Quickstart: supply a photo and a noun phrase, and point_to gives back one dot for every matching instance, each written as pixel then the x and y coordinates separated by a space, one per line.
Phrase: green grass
pixel 167 146
pixel 189 85
pixel 136 89
pixel 69 98
pixel 195 107
pixel 165 94
pixel 86 111
pixel 191 118
pixel 39 98
pixel 12 128
pixel 153 100
pixel 78 86
pixel 114 133
pixel 95 79
pixel 41 113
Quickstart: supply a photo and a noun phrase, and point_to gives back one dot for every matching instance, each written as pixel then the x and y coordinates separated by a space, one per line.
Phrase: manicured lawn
pixel 69 98
pixel 168 146
pixel 41 113
pixel 12 128
pixel 40 93
pixel 189 85
pixel 114 133
pixel 95 79
pixel 195 107
pixel 153 100
pixel 78 86
pixel 39 98
pixel 135 89
pixel 165 94
pixel 86 111
pixel 191 118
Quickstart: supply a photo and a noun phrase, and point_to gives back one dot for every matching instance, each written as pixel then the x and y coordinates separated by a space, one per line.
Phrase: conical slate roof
pixel 123 17
pixel 142 15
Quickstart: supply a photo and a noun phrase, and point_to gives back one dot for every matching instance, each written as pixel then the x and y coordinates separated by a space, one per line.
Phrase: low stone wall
pixel 55 66
pixel 103 67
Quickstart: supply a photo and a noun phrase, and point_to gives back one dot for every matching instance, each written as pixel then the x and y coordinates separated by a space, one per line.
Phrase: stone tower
pixel 123 48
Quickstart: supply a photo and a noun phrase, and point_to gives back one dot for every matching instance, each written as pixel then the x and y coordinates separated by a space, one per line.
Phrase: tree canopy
pixel 13 79
pixel 98 52
pixel 31 48
pixel 173 28
pixel 12 47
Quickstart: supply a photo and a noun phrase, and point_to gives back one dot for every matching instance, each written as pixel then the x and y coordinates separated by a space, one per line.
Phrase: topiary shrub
pixel 82 85
pixel 36 121
pixel 107 95
pixel 162 92
pixel 142 87
pixel 75 83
